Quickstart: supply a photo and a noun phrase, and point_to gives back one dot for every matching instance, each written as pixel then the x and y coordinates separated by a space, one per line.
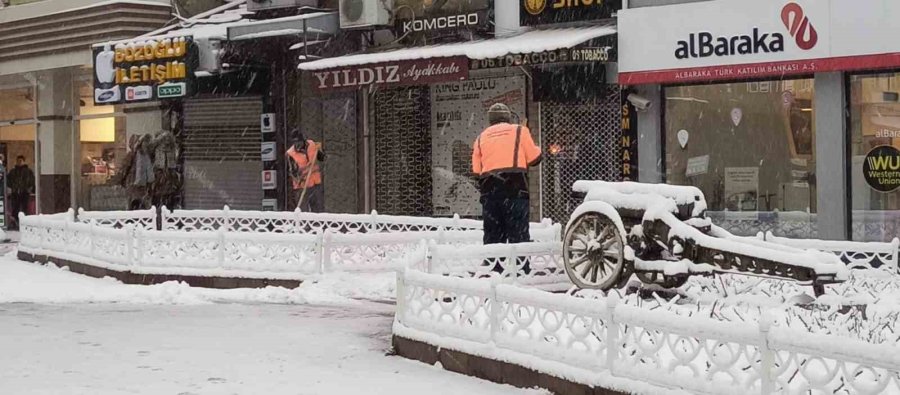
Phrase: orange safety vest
pixel 303 159
pixel 504 147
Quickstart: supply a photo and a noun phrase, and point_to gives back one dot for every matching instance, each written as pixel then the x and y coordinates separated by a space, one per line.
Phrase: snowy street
pixel 91 336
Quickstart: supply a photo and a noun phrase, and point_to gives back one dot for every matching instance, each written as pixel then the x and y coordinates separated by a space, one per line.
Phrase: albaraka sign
pixel 738 39
pixel 387 74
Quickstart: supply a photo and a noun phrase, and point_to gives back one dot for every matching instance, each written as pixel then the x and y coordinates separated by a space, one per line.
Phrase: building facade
pixel 420 87
pixel 782 112
pixel 47 111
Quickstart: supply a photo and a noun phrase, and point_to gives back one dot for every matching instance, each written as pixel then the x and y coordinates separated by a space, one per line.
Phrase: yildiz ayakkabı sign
pixel 144 70
pixel 430 17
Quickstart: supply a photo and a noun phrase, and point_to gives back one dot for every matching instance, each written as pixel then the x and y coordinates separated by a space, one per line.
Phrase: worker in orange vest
pixel 304 157
pixel 501 157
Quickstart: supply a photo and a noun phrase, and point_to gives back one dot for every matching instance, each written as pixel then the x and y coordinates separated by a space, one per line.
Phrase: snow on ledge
pixel 528 42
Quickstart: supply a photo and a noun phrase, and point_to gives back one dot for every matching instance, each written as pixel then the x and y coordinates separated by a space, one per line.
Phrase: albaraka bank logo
pixel 704 44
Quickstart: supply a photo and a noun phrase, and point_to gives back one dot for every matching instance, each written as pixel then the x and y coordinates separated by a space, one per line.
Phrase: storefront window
pixel 17 131
pixel 875 133
pixel 103 150
pixel 750 147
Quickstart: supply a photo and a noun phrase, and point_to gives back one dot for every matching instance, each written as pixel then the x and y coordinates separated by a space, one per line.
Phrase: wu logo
pixel 798 25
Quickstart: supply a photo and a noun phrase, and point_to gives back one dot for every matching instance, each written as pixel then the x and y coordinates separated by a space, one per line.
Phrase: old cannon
pixel 661 234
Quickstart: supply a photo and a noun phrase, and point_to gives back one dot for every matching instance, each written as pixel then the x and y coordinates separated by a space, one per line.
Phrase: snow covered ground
pixel 65 333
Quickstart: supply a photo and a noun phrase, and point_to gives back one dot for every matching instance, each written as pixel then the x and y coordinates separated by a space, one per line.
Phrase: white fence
pixel 589 341
pixel 123 243
pixel 857 255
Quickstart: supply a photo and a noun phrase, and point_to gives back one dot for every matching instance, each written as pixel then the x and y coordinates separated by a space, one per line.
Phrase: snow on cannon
pixel 661 234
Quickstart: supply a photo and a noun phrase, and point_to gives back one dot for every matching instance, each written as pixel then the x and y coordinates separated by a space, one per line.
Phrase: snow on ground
pixel 25 282
pixel 63 332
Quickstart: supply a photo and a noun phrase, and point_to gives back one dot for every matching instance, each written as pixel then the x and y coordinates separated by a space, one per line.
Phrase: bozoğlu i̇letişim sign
pixel 143 70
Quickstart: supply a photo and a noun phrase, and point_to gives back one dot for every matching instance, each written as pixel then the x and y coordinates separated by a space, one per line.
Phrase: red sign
pixel 758 70
pixel 409 72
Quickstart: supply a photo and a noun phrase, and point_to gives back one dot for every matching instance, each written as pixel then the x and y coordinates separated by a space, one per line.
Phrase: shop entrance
pixel 580 142
pixel 403 183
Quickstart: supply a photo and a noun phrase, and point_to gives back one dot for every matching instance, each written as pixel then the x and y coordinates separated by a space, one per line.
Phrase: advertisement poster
pixel 741 188
pixel 881 168
pixel 458 116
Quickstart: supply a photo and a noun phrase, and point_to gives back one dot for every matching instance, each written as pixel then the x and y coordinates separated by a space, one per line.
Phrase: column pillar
pixel 650 136
pixel 54 140
pixel 831 156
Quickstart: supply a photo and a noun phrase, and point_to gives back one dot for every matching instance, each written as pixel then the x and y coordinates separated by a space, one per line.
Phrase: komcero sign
pixel 437 17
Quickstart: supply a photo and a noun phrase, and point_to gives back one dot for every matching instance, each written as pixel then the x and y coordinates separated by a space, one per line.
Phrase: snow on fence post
pixel 129 233
pixel 220 253
pixel 511 262
pixel 767 360
pixel 455 221
pixel 297 229
pixel 895 252
pixel 65 244
pixel 323 249
pixel 91 235
pixel 401 292
pixel 374 223
pixel 225 220
pixel 139 246
pixel 429 256
pixel 612 332
pixel 495 313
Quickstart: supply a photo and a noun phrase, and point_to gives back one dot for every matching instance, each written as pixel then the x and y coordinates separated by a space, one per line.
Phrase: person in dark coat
pixel 20 182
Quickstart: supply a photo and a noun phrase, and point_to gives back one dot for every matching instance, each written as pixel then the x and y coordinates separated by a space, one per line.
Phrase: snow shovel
pixel 306 181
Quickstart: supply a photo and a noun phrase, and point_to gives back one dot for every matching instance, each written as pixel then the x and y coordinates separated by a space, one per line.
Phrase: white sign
pixel 267 123
pixel 683 137
pixel 697 165
pixel 140 92
pixel 269 179
pixel 741 188
pixel 269 204
pixel 267 151
pixel 736 39
pixel 458 115
pixel 107 95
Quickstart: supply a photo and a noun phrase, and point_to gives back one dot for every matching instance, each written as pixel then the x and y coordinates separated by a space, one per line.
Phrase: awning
pixel 313 25
pixel 533 41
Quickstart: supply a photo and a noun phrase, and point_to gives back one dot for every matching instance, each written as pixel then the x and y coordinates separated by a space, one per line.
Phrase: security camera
pixel 639 102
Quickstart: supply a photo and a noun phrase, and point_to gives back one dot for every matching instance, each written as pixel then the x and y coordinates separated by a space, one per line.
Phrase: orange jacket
pixel 303 159
pixel 504 148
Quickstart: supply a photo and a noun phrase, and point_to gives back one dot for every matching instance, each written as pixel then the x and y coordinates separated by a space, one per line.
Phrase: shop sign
pixel 134 71
pixel 881 168
pixel 604 54
pixel 425 16
pixel 543 12
pixel 171 90
pixel 697 166
pixel 411 72
pixel 741 188
pixel 754 39
pixel 267 151
pixel 629 143
pixel 269 178
pixel 269 204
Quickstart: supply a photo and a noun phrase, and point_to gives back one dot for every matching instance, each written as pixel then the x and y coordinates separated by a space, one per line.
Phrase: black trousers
pixel 18 202
pixel 506 221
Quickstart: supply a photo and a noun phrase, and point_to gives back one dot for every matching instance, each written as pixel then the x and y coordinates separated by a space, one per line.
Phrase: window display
pixel 102 142
pixel 750 147
pixel 874 139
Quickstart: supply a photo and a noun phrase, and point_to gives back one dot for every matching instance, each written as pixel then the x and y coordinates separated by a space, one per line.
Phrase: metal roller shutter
pixel 222 164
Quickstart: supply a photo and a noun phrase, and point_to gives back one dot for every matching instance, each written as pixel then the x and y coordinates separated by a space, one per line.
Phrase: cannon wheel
pixel 662 280
pixel 594 252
